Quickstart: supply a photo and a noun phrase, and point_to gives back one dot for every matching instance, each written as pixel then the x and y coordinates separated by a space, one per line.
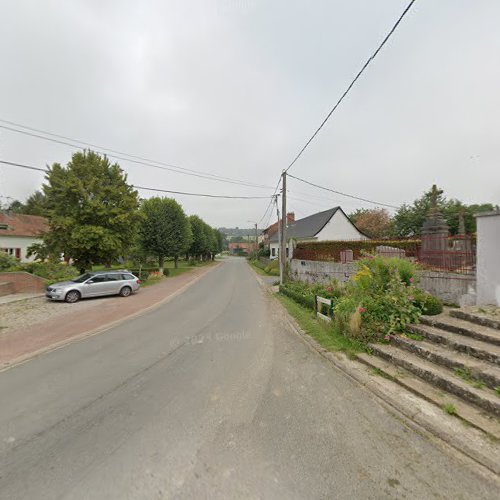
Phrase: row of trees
pixel 96 217
pixel 408 220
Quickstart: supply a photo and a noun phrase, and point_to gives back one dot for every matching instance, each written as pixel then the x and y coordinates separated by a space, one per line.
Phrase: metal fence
pixel 439 253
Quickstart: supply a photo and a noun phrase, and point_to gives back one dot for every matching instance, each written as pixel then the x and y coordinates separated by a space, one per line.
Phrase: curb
pixel 415 412
pixel 103 328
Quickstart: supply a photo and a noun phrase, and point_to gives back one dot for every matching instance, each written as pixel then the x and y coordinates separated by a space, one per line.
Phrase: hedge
pixel 305 300
pixel 330 250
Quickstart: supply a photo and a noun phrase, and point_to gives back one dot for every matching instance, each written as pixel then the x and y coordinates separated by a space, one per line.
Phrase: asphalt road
pixel 209 396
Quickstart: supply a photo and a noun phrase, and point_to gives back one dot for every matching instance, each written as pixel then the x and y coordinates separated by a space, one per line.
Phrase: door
pixel 115 282
pixel 95 286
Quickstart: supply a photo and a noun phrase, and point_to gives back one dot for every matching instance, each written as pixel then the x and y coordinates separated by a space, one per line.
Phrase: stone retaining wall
pixel 447 286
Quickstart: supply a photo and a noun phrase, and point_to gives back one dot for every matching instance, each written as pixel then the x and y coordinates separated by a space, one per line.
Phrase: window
pixel 127 277
pixel 100 278
pixel 4 226
pixel 114 277
pixel 273 252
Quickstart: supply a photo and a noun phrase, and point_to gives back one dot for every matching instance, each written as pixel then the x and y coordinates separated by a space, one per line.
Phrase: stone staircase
pixel 451 360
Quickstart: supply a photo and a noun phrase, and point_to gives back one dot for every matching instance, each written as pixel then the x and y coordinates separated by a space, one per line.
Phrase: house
pixel 239 248
pixel 18 232
pixel 267 233
pixel 332 224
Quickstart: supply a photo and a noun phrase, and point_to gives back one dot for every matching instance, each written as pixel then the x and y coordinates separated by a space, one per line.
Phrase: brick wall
pixel 23 282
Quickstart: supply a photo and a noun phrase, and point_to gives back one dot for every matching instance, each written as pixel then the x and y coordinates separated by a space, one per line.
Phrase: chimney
pixel 290 216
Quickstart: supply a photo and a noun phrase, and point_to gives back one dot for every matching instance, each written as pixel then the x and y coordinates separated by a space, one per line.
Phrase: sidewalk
pixel 19 344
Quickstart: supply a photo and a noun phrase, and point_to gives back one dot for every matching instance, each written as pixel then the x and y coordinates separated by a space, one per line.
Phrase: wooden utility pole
pixel 283 257
pixel 279 239
pixel 256 239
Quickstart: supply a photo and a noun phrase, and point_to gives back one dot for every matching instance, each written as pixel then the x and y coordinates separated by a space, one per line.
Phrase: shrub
pixel 264 252
pixel 166 271
pixel 273 268
pixel 7 261
pixel 52 271
pixel 378 301
pixel 430 305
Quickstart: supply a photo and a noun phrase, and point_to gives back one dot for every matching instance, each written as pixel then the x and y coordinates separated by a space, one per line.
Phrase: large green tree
pixel 408 220
pixel 166 231
pixel 374 222
pixel 34 205
pixel 202 238
pixel 93 211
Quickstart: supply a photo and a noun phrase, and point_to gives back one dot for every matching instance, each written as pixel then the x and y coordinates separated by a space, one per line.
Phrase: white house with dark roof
pixel 18 232
pixel 332 224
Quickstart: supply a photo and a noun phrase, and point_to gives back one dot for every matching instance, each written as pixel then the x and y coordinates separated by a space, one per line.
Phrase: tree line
pixel 96 217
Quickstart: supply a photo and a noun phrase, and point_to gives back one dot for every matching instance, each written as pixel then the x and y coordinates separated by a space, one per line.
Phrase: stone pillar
pixel 488 258
pixel 435 232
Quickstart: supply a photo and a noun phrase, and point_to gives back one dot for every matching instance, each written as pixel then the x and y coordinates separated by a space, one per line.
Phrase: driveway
pixel 209 396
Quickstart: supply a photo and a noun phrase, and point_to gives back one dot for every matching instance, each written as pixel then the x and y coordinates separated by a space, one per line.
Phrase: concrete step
pixel 475 318
pixel 478 370
pixel 6 288
pixel 463 327
pixel 472 347
pixel 440 377
pixel 470 414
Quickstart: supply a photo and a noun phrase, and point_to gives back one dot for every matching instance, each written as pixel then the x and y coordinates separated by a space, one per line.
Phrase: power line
pixel 342 194
pixel 370 59
pixel 205 195
pixel 132 158
pixel 270 201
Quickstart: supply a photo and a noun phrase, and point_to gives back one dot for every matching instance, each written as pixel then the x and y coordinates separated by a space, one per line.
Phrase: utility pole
pixel 256 239
pixel 283 257
pixel 279 239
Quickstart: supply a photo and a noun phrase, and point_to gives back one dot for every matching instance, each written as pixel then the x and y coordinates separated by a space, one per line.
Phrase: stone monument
pixel 435 232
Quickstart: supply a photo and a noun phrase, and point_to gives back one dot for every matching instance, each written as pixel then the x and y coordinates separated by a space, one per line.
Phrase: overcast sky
pixel 235 88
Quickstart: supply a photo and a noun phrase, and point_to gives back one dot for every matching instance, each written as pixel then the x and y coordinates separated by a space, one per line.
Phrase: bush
pixel 304 293
pixel 7 261
pixel 273 268
pixel 432 306
pixel 166 271
pixel 379 300
pixel 264 252
pixel 52 271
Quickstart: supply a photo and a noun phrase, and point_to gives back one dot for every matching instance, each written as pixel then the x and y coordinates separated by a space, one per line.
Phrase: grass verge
pixel 322 332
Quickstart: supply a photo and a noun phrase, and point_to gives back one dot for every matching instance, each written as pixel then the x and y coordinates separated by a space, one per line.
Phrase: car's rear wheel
pixel 125 291
pixel 72 296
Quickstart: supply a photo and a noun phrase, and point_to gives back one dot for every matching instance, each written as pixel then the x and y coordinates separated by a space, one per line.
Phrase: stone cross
pixel 435 192
pixel 461 222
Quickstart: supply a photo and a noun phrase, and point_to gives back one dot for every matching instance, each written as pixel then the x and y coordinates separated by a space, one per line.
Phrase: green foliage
pixel 263 252
pixel 34 205
pixel 429 304
pixel 304 293
pixel 408 220
pixel 92 211
pixel 165 231
pixel 450 409
pixel 323 333
pixel 378 301
pixel 7 261
pixel 330 250
pixel 51 271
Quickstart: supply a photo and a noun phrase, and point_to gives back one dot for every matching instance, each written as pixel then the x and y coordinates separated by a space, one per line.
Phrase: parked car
pixel 94 284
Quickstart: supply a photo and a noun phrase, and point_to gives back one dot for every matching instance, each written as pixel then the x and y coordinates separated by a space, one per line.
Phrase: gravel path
pixel 30 311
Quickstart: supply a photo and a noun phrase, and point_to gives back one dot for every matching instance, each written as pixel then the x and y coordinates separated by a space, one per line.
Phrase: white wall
pixel 339 228
pixel 488 259
pixel 21 242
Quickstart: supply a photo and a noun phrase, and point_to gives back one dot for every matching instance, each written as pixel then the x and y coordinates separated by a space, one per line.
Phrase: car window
pixel 82 278
pixel 114 277
pixel 127 277
pixel 100 278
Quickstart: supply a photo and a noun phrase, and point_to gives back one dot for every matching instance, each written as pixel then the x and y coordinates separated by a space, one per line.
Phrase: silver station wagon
pixel 94 284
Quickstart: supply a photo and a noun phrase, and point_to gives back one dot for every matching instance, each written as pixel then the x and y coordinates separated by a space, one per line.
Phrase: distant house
pixel 329 225
pixel 243 247
pixel 267 233
pixel 18 232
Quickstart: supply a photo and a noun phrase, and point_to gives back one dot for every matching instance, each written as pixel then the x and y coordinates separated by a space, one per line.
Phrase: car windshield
pixel 82 278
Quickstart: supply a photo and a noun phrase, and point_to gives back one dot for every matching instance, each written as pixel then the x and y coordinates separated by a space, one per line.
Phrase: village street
pixel 210 396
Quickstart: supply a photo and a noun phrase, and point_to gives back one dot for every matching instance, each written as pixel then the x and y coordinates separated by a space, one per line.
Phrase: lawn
pixel 322 332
